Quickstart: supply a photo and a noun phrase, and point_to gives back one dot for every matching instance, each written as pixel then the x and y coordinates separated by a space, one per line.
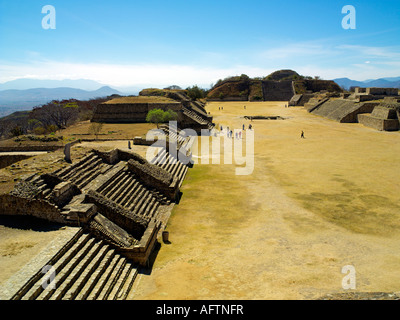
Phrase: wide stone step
pixel 96 276
pixel 120 282
pixel 76 272
pixel 127 287
pixel 71 171
pixel 113 182
pixel 102 169
pixel 80 176
pixel 104 278
pixel 64 172
pixel 122 187
pixel 58 265
pixel 117 186
pixel 142 203
pixel 109 285
pixel 145 202
pixel 132 196
pixel 129 189
pixel 85 275
pixel 26 290
pixel 160 157
pixel 67 269
pixel 136 199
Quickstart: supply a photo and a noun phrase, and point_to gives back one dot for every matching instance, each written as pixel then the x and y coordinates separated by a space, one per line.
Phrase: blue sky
pixel 156 43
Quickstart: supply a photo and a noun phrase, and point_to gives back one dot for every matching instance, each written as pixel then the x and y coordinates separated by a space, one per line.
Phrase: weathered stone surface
pixel 125 219
pixel 105 229
pixel 67 152
pixel 24 189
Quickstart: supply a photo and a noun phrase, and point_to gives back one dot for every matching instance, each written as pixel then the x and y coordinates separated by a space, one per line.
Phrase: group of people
pixel 238 134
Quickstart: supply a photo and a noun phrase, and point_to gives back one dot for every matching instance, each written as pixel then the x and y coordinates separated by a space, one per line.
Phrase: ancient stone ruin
pixel 191 114
pixel 361 107
pixel 118 202
pixel 384 117
pixel 282 85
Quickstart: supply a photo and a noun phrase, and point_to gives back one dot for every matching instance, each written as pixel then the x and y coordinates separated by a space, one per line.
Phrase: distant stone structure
pixel 381 115
pixel 281 85
pixel 191 114
pixel 367 94
pixel 384 117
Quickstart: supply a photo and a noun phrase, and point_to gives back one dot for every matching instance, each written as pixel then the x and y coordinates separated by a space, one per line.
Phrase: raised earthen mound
pixel 280 85
pixel 283 75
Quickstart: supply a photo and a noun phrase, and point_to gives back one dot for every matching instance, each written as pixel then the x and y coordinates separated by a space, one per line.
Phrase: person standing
pixel 302 135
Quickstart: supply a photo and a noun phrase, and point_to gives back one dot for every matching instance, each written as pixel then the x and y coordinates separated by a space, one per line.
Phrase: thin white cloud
pixel 377 52
pixel 121 74
pixel 312 58
pixel 296 50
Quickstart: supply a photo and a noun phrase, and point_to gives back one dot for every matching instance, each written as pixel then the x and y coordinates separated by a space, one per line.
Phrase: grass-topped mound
pixel 277 84
pixel 140 99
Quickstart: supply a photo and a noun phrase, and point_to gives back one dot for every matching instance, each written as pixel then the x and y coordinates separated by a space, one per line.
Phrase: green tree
pixel 170 115
pixel 196 93
pixel 158 116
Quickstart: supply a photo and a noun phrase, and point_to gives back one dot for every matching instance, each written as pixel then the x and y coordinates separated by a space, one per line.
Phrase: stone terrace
pixel 119 204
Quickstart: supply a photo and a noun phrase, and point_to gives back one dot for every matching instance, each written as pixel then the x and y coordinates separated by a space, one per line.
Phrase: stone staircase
pixel 84 269
pixel 126 190
pixel 84 171
pixel 197 118
pixel 172 134
pixel 167 162
pixel 277 90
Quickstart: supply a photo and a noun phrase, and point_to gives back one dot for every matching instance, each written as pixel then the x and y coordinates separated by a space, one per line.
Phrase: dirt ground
pixel 311 207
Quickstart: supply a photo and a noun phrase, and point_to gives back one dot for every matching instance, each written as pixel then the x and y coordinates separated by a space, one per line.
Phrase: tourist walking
pixel 302 135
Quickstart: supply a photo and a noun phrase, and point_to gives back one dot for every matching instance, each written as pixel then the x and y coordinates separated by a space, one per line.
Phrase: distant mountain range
pixel 24 94
pixel 17 100
pixel 393 82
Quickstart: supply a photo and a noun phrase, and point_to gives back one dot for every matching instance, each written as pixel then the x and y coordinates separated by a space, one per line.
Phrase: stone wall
pixel 14 205
pixel 30 148
pixel 9 159
pixel 154 176
pixel 103 228
pixel 277 90
pixel 129 112
pixel 384 113
pixel 378 123
pixel 383 91
pixel 125 219
pixel 140 252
